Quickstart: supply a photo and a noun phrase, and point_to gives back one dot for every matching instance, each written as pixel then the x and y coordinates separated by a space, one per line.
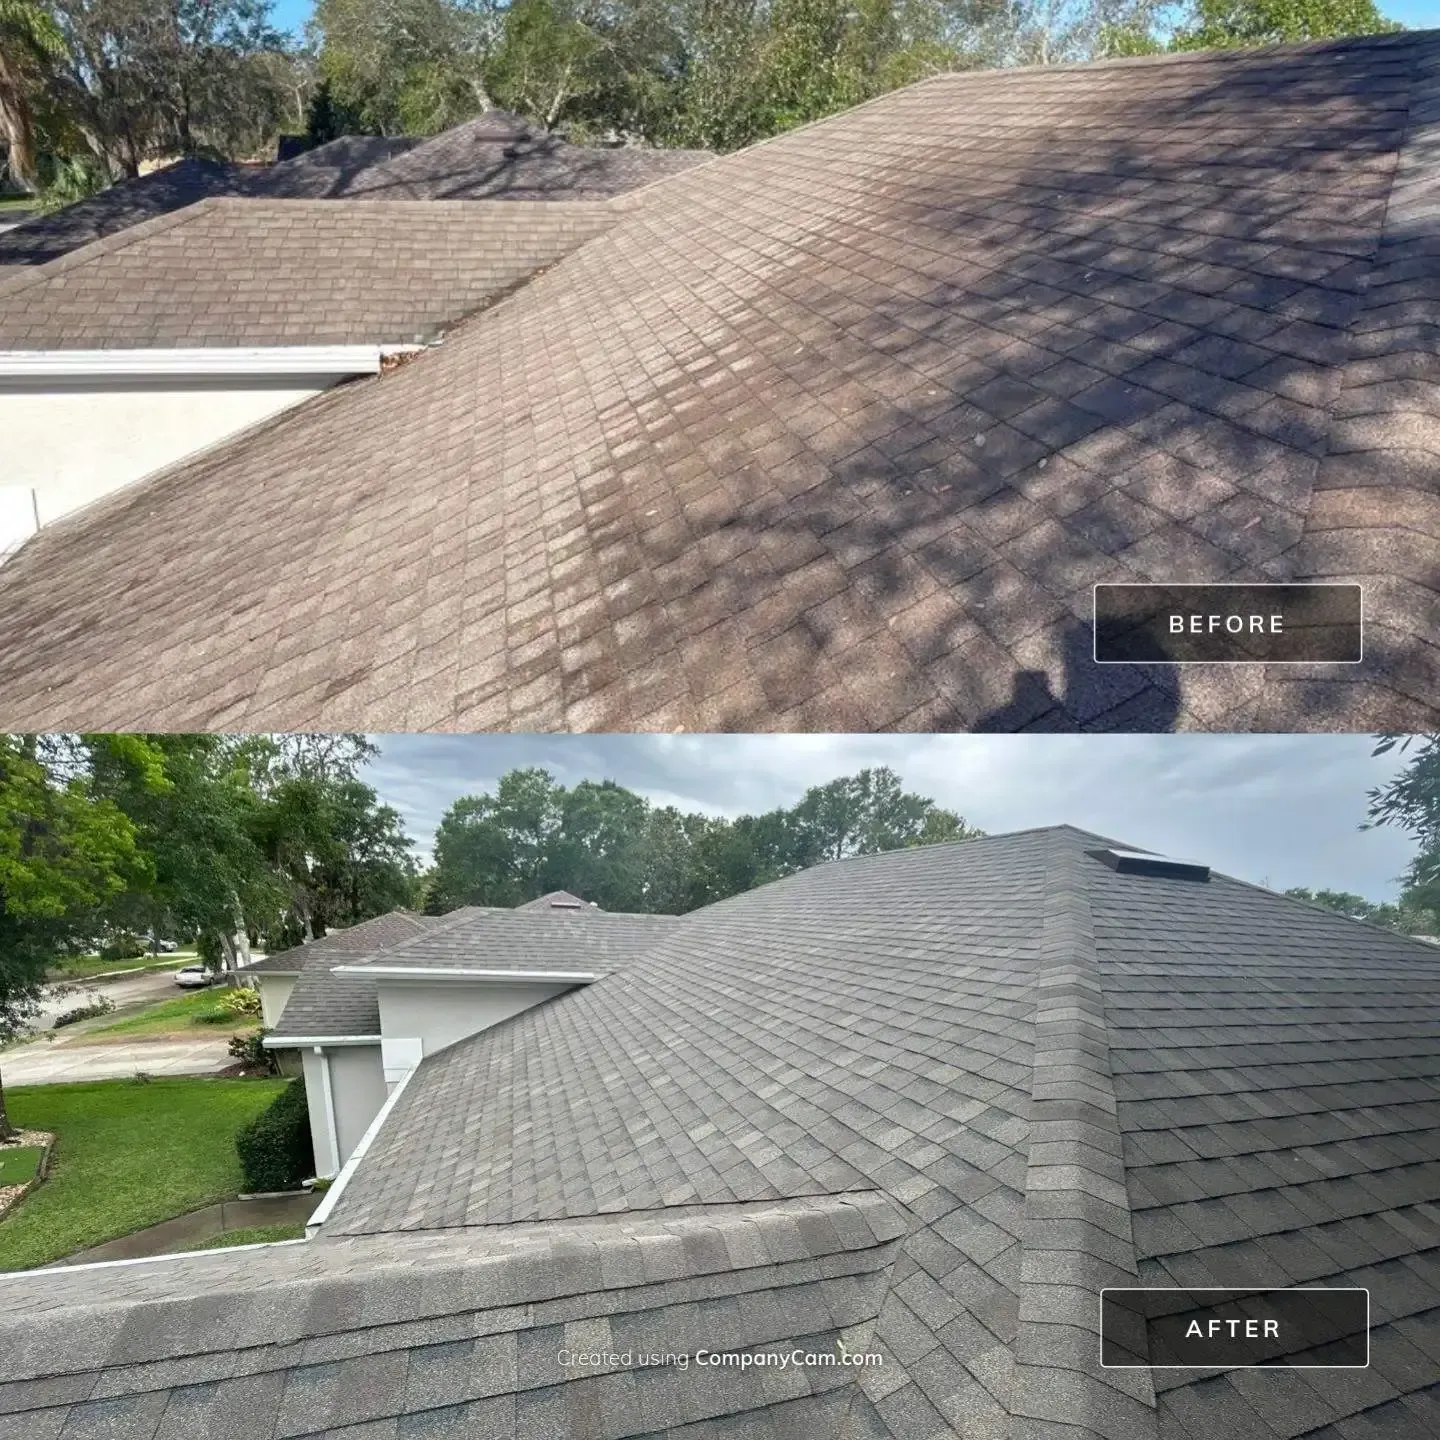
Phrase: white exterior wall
pixel 357 1091
pixel 70 442
pixel 360 1091
pixel 274 992
pixel 440 1012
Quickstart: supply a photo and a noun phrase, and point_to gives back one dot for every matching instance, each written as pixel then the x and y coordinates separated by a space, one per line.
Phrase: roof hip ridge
pixel 1076 1234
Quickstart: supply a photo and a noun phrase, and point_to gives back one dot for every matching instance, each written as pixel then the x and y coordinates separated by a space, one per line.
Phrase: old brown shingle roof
pixel 839 432
pixel 288 272
pixel 128 203
pixel 497 156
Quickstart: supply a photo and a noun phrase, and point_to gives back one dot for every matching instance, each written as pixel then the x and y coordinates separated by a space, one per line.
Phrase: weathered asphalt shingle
pixel 346 942
pixel 958 1088
pixel 838 432
pixel 289 272
pixel 130 202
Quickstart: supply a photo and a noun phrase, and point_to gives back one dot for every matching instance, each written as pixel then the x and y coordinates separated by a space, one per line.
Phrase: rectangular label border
pixel 1221 585
pixel 1232 1290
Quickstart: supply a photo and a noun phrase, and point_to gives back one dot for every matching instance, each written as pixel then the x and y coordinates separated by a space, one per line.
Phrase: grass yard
pixel 127 1155
pixel 18 1166
pixel 255 1235
pixel 197 1011
pixel 90 967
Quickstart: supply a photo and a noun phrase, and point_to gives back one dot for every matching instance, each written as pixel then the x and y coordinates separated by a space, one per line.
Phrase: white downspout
pixel 327 1090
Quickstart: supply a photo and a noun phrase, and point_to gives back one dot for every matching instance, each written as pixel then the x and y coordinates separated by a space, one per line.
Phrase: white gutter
pixel 450 972
pixel 211 360
pixel 300 1042
pixel 328 1091
pixel 322 1211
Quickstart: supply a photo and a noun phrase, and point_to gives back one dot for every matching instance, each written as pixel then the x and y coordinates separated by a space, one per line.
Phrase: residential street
pixel 142 988
pixel 49 1062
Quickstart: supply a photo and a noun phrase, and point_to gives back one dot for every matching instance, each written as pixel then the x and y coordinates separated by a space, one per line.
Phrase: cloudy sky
pixel 1278 810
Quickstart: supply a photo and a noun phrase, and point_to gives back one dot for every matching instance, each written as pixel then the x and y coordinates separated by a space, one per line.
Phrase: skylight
pixel 1140 862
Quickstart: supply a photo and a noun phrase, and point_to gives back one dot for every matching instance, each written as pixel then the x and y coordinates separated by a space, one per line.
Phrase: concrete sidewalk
pixel 53 1062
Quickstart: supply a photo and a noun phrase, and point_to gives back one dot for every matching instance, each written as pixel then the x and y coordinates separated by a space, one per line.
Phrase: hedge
pixel 275 1149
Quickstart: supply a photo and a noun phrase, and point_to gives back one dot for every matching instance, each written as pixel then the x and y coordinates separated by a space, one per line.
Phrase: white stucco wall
pixel 357 1085
pixel 360 1091
pixel 68 443
pixel 274 992
pixel 438 1013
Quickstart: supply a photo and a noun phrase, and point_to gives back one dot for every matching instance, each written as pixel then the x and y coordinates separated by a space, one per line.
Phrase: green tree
pixel 30 45
pixel 65 855
pixel 867 813
pixel 1227 24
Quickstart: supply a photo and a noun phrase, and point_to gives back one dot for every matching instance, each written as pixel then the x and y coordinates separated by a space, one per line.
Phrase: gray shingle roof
pixel 129 203
pixel 347 941
pixel 1032 1074
pixel 838 433
pixel 447 1338
pixel 327 171
pixel 289 272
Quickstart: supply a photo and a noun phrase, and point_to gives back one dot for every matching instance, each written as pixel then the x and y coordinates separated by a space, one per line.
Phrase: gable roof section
pixel 497 156
pixel 328 171
pixel 288 272
pixel 837 432
pixel 124 204
pixel 527 939
pixel 377 933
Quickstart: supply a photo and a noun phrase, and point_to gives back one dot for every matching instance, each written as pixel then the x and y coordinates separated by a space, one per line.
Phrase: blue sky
pixel 1417 14
pixel 1277 810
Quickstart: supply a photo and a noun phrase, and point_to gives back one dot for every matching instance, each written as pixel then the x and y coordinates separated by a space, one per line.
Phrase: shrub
pixel 100 1006
pixel 123 946
pixel 248 1048
pixel 241 1001
pixel 275 1149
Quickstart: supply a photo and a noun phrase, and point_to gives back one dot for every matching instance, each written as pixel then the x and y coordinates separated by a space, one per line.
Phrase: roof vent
pixel 1138 862
pixel 567 902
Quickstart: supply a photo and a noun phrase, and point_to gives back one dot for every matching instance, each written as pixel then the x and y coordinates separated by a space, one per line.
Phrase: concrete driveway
pixel 144 987
pixel 53 1062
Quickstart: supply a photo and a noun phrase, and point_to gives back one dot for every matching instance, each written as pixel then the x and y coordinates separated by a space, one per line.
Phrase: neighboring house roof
pixel 555 900
pixel 288 272
pixel 368 936
pixel 839 432
pixel 933 1099
pixel 127 203
pixel 328 170
pixel 346 1004
pixel 527 939
pixel 498 156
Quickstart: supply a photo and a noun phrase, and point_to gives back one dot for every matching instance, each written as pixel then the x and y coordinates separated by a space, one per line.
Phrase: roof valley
pixel 1076 1235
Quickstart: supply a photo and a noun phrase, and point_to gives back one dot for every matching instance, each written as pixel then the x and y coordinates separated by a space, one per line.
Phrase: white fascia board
pixel 297 1042
pixel 187 364
pixel 337 1186
pixel 448 972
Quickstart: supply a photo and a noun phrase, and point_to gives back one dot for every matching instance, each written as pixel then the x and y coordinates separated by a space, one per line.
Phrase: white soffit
pixel 187 364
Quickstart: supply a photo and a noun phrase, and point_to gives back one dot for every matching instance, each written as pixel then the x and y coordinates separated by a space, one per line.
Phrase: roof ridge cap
pixel 1075 1156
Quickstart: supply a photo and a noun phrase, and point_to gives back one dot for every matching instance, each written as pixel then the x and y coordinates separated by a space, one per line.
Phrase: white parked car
pixel 193 977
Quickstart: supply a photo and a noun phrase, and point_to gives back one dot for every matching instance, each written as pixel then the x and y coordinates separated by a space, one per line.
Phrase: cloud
pixel 1275 809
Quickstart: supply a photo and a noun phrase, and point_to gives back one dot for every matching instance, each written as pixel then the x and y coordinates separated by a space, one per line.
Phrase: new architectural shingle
pixel 922 1105
pixel 840 432
pixel 246 272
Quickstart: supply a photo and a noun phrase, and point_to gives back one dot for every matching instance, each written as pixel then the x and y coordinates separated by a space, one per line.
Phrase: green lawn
pixel 197 1010
pixel 127 1155
pixel 19 1165
pixel 90 967
pixel 255 1235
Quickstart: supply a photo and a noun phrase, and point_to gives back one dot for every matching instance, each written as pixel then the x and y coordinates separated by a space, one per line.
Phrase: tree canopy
pixel 93 89
pixel 532 835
